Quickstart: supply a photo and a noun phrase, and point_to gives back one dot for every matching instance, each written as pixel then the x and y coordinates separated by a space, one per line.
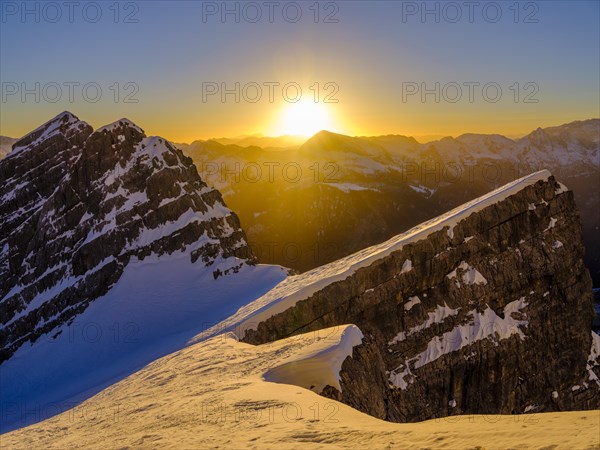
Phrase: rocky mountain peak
pixel 539 137
pixel 64 124
pixel 123 123
pixel 79 206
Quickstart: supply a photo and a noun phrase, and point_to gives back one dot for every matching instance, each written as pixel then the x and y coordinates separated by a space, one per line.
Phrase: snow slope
pixel 213 395
pixel 300 287
pixel 154 309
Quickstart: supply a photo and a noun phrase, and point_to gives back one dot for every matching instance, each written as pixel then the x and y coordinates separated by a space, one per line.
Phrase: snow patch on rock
pixel 412 301
pixel 407 266
pixel 120 123
pixel 551 224
pixel 593 359
pixel 486 325
pixel 470 275
pixel 561 188
pixel 438 315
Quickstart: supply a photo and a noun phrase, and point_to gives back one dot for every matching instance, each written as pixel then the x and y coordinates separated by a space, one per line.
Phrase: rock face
pixel 492 314
pixel 77 206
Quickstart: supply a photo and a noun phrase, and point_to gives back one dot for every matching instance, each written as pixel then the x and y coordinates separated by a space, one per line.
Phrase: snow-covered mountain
pixel 114 252
pixel 480 309
pixel 358 191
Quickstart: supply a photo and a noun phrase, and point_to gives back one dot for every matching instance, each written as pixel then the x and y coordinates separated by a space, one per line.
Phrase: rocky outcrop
pixel 77 206
pixel 489 311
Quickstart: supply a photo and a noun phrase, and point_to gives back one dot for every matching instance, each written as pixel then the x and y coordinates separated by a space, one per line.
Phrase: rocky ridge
pixel 487 310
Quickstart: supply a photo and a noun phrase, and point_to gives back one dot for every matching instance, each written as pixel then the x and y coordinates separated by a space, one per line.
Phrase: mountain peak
pixel 64 116
pixel 55 122
pixel 538 136
pixel 61 123
pixel 123 122
pixel 325 134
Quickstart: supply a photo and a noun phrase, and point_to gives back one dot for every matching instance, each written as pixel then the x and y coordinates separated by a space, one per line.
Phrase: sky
pixel 363 67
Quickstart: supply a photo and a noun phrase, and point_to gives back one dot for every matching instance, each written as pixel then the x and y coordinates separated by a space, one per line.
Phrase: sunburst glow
pixel 305 118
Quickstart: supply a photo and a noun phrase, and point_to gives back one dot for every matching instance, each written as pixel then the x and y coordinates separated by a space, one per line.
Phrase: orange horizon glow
pixel 302 119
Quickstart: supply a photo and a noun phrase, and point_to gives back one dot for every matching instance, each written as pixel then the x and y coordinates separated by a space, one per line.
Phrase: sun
pixel 305 118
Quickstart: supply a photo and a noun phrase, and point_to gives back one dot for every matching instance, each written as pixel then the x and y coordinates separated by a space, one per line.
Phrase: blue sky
pixel 369 53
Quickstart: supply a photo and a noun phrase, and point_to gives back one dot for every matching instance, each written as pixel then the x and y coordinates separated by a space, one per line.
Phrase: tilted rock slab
pixel 487 309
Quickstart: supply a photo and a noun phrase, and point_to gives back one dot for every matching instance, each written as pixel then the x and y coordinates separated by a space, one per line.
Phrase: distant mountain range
pixel 356 191
pixel 285 141
pixel 304 203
